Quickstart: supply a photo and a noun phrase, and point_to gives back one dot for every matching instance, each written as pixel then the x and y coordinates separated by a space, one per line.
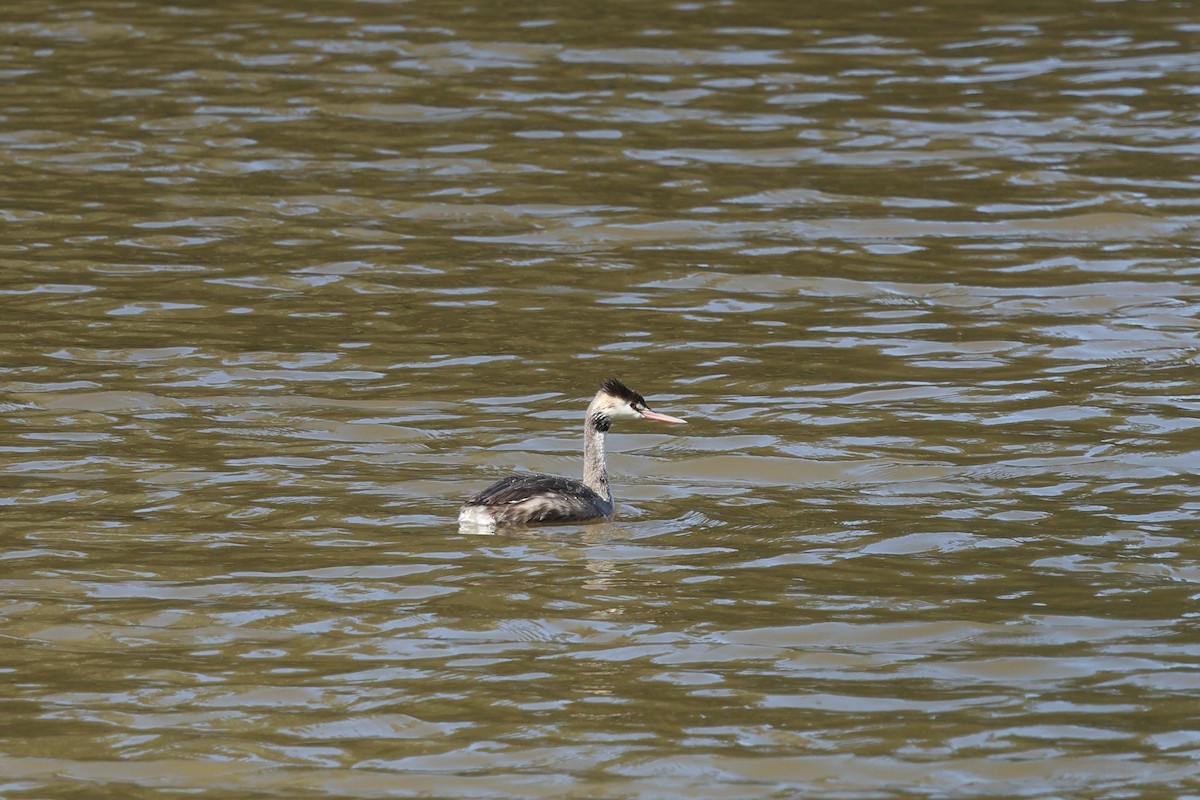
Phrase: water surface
pixel 281 285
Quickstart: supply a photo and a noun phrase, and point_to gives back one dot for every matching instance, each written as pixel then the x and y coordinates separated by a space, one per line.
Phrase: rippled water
pixel 281 285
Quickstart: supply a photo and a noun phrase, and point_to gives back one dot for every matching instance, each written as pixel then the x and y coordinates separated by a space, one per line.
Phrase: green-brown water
pixel 283 283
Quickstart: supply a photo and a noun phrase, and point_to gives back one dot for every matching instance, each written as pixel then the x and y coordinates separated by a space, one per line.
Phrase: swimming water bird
pixel 521 499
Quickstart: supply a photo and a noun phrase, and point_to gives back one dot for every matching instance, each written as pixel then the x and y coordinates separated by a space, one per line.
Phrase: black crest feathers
pixel 619 390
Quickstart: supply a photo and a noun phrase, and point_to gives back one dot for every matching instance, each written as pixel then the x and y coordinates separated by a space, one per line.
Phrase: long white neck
pixel 595 472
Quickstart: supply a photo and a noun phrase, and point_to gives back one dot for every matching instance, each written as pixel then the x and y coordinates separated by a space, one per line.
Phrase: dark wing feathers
pixel 515 488
pixel 566 499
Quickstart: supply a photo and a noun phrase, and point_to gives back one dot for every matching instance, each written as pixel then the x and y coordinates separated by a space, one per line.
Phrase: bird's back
pixel 535 498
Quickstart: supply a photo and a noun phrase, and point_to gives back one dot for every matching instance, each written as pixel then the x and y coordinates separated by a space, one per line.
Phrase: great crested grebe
pixel 521 499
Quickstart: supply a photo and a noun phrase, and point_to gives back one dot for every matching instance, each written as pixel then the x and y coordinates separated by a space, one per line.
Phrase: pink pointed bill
pixel 648 414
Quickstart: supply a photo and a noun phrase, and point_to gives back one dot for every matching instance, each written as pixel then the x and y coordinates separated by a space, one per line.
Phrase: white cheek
pixel 625 412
